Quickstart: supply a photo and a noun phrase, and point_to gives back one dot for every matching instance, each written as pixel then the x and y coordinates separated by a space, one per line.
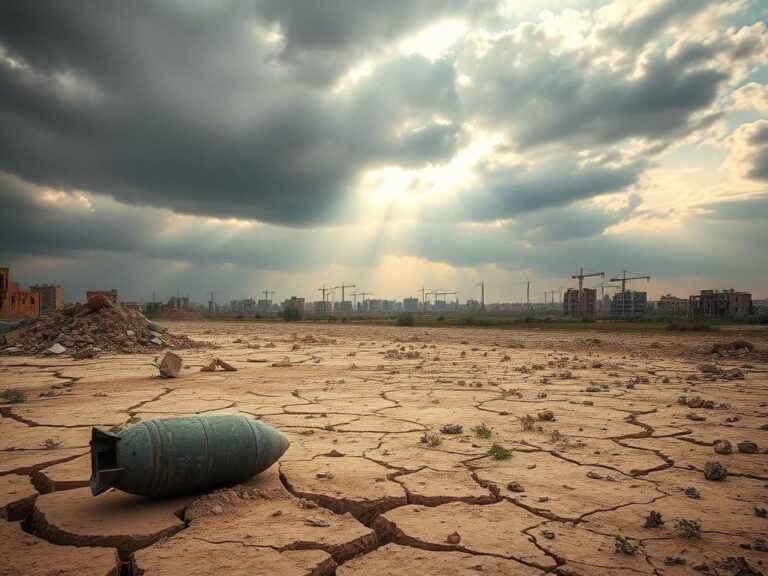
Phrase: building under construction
pixel 720 304
pixel 629 303
pixel 580 302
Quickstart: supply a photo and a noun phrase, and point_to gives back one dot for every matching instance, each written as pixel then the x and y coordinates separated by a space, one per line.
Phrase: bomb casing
pixel 183 455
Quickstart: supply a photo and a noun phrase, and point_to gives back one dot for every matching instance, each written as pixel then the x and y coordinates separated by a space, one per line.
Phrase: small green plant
pixel 688 528
pixel 406 319
pixel 624 546
pixel 653 520
pixel 482 431
pixel 528 422
pixel 432 440
pixel 498 452
pixel 12 396
pixel 51 444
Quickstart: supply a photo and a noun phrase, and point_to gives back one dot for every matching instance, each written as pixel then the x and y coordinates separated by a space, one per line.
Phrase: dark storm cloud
pixel 164 105
pixel 541 96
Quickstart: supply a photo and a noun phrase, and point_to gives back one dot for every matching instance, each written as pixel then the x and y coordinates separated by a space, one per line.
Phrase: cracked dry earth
pixel 597 433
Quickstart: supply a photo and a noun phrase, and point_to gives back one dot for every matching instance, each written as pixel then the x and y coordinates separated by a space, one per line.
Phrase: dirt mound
pixel 98 326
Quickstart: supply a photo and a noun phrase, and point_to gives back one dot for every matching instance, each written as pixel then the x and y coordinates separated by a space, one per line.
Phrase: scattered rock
pixel 723 447
pixel 691 492
pixel 747 447
pixel 316 522
pixel 56 349
pixel 674 561
pixel 452 429
pixel 546 415
pixel 453 538
pixel 732 346
pixel 515 486
pixel 548 534
pixel 715 471
pixel 170 365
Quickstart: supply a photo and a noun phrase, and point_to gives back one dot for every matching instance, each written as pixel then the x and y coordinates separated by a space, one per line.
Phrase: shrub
pixel 498 452
pixel 12 396
pixel 688 528
pixel 406 319
pixel 441 318
pixel 482 431
pixel 293 314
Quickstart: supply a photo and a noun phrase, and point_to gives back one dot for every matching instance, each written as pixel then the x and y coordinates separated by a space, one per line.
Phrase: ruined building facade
pixel 15 304
pixel 51 297
pixel 720 304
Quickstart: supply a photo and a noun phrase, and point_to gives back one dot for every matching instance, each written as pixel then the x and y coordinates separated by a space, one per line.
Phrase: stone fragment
pixel 747 447
pixel 170 365
pixel 56 349
pixel 723 447
pixel 715 471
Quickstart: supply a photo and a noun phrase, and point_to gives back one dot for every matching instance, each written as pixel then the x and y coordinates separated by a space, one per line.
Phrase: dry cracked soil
pixel 563 445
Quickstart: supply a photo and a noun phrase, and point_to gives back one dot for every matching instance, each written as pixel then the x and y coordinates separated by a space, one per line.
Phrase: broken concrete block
pixel 170 365
pixel 56 349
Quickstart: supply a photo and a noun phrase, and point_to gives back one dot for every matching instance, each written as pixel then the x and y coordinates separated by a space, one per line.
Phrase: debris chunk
pixel 170 365
pixel 747 447
pixel 715 471
pixel 723 447
pixel 453 538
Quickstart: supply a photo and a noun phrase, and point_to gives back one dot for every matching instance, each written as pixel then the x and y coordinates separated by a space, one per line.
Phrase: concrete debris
pixel 99 325
pixel 715 471
pixel 56 349
pixel 170 365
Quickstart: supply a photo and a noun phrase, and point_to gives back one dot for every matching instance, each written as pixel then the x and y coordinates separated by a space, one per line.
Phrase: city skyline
pixel 259 144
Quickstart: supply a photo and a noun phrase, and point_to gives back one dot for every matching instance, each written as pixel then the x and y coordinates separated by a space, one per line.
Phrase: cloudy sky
pixel 245 145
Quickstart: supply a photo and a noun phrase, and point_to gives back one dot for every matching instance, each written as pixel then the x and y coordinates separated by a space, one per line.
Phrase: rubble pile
pixel 88 329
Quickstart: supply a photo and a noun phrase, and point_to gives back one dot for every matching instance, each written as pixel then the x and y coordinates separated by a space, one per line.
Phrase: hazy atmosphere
pixel 240 146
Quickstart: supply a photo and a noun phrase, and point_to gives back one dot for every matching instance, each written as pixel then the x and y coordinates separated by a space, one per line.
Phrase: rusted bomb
pixel 172 456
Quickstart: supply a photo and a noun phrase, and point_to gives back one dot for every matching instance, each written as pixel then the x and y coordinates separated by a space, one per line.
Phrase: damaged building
pixel 720 304
pixel 51 297
pixel 14 303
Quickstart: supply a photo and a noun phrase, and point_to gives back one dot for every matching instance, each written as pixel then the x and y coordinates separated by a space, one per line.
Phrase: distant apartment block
pixel 580 303
pixel 14 303
pixel 720 304
pixel 295 302
pixel 51 297
pixel 110 294
pixel 323 307
pixel 411 304
pixel 629 303
pixel 264 306
pixel 672 306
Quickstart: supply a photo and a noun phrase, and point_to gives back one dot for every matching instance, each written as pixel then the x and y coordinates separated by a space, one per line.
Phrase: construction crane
pixel 325 289
pixel 624 279
pixel 362 293
pixel 343 286
pixel 603 287
pixel 267 293
pixel 424 292
pixel 589 273
pixel 482 295
pixel 211 293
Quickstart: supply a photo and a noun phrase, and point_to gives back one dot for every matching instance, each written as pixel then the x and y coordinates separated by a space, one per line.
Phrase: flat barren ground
pixel 561 451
